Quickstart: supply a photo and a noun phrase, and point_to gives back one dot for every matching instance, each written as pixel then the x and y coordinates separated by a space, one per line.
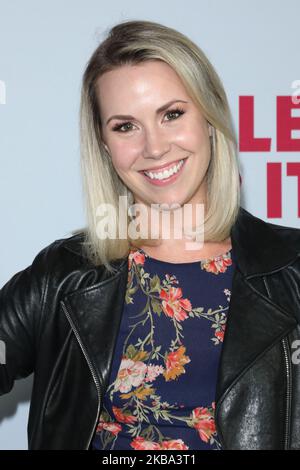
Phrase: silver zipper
pixel 220 437
pixel 288 393
pixel 285 347
pixel 95 377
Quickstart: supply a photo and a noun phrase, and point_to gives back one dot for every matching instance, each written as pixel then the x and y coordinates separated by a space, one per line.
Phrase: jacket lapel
pixel 96 313
pixel 254 322
pixel 253 325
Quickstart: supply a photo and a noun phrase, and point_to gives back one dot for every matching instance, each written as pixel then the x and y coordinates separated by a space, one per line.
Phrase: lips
pixel 161 168
pixel 166 181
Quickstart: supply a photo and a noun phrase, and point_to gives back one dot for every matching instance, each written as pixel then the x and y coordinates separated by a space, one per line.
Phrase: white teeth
pixel 166 173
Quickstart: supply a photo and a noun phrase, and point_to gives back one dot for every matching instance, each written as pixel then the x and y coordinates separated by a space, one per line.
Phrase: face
pixel 150 122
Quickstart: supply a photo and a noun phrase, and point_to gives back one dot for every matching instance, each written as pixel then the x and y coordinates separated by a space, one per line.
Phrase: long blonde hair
pixel 133 42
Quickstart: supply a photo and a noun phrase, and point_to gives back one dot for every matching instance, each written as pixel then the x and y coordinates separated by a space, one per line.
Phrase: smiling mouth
pixel 166 172
pixel 165 177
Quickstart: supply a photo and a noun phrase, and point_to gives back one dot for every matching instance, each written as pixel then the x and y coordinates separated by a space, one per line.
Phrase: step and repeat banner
pixel 44 47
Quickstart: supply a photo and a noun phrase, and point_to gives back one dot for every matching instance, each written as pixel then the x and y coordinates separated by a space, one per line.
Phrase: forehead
pixel 140 81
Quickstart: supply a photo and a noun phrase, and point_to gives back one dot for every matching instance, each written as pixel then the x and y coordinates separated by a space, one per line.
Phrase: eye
pixel 174 111
pixel 118 127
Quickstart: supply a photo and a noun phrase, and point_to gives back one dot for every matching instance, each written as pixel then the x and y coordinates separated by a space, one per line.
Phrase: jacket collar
pixel 254 322
pixel 258 247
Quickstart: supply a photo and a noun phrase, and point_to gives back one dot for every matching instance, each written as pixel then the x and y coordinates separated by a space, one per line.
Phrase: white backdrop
pixel 44 47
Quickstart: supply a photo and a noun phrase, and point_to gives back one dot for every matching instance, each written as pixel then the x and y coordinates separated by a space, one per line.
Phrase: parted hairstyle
pixel 134 42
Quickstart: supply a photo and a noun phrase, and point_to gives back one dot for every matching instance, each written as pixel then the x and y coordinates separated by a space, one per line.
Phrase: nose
pixel 156 144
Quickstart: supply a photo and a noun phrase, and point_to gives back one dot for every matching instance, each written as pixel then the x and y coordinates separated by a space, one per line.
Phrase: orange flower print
pixel 114 428
pixel 136 256
pixel 217 265
pixel 175 444
pixel 174 364
pixel 139 443
pixel 220 333
pixel 204 423
pixel 122 417
pixel 173 305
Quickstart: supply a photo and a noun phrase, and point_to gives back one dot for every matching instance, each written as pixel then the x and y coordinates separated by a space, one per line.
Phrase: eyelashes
pixel 118 127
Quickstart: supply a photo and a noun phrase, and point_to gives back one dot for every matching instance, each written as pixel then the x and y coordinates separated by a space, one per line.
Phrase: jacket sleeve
pixel 21 305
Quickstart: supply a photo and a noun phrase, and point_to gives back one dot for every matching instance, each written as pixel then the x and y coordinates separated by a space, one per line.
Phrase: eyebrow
pixel 158 111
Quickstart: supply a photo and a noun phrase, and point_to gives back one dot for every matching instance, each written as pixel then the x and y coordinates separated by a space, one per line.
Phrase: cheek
pixel 192 136
pixel 200 139
pixel 122 157
pixel 119 155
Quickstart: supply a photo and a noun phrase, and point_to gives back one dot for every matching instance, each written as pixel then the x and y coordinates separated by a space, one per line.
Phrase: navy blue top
pixel 161 392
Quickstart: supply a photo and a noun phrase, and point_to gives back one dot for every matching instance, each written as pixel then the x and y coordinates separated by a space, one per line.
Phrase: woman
pixel 143 343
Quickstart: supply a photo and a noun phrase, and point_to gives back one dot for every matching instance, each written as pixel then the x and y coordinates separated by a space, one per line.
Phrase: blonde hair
pixel 133 42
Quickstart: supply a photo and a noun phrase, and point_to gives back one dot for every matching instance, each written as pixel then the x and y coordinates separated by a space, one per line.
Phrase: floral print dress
pixel 162 382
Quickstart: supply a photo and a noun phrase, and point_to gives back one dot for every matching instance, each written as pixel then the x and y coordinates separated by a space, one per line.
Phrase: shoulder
pixel 262 246
pixel 256 226
pixel 66 266
pixel 63 256
pixel 289 235
pixel 63 252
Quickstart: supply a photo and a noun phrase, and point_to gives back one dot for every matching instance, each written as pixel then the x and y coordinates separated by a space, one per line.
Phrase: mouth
pixel 163 177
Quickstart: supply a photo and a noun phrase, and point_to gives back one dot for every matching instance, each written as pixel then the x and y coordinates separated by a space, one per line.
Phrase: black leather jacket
pixel 60 317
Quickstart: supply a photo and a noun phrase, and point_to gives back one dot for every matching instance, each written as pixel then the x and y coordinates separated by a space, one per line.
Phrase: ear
pixel 102 138
pixel 105 146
